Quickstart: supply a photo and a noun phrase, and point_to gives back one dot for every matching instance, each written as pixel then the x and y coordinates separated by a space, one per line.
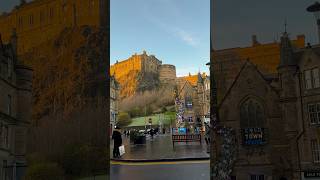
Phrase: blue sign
pixel 182 130
pixel 253 136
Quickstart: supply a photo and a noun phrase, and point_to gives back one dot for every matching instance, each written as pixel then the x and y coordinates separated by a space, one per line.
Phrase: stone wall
pixel 38 21
pixel 167 73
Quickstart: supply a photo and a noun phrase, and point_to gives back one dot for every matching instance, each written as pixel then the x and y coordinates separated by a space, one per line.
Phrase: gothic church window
pixel 251 114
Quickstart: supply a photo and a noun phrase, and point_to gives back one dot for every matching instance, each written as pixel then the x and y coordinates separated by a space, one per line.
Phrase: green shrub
pixel 44 171
pixel 124 119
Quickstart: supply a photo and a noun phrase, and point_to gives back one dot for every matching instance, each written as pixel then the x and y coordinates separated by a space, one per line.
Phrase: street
pixel 160 147
pixel 192 170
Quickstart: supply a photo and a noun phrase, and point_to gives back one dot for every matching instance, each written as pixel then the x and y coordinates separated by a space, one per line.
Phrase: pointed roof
pixel 247 63
pixel 286 51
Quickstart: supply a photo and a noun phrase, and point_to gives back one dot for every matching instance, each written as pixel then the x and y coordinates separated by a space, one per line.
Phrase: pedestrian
pixel 151 133
pixel 207 134
pixel 117 142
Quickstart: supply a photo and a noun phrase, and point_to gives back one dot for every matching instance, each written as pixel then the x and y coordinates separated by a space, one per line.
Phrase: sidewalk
pixel 160 148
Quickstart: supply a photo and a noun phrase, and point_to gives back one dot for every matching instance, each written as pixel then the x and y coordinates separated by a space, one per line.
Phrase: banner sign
pixel 312 174
pixel 253 136
pixel 177 131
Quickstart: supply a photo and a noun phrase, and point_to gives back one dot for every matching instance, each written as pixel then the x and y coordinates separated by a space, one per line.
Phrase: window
pixel 51 13
pixel 257 177
pixel 9 104
pixel 308 80
pixel 252 119
pixel 315 148
pixel 316 80
pixel 251 114
pixel 314 113
pixel 20 21
pixel 190 119
pixel 5 137
pixel 31 19
pixel 312 79
pixel 188 102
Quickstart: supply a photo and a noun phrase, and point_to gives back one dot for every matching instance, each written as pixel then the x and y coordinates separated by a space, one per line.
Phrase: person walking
pixel 117 142
pixel 152 133
pixel 207 135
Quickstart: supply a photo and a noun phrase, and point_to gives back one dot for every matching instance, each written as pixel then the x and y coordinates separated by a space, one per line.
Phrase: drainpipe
pixel 302 121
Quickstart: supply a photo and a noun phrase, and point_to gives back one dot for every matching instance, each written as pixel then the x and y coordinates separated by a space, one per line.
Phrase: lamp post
pixel 315 9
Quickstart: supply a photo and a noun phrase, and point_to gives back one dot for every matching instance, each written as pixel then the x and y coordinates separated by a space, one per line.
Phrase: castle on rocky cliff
pixel 145 64
pixel 142 72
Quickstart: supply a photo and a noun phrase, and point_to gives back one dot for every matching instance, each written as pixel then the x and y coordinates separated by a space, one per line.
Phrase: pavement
pixel 186 170
pixel 160 149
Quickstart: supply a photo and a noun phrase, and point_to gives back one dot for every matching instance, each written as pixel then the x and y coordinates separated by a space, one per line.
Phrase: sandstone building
pixel 15 110
pixel 274 115
pixel 194 93
pixel 228 62
pixel 39 21
pixel 114 103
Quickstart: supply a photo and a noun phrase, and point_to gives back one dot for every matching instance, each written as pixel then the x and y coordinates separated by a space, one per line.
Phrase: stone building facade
pixel 228 62
pixel 275 116
pixel 140 63
pixel 15 110
pixel 194 92
pixel 38 21
pixel 114 102
pixel 167 74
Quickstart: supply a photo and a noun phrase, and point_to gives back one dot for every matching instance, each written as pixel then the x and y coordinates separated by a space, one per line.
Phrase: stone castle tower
pixel 39 21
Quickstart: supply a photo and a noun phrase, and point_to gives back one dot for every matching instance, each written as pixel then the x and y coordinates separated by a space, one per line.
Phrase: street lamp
pixel 315 9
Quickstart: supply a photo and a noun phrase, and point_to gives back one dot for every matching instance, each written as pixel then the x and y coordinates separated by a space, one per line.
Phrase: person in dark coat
pixel 117 142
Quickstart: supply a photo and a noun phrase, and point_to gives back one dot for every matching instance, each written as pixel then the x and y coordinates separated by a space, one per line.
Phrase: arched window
pixel 251 114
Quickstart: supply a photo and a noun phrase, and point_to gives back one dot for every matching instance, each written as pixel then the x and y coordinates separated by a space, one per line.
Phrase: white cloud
pixel 182 34
pixel 186 36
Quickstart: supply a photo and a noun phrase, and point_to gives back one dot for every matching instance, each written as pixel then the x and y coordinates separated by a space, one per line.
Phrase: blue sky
pixel 177 31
